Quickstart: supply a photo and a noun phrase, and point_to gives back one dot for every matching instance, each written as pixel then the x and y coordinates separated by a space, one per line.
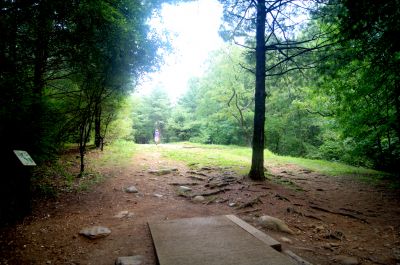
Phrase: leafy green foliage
pixel 150 113
pixel 362 82
pixel 218 106
pixel 64 64
pixel 218 109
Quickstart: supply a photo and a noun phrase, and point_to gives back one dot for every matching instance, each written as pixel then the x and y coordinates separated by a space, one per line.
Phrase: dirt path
pixel 330 216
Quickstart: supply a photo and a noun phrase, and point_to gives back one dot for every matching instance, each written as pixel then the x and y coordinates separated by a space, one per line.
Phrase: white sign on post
pixel 25 158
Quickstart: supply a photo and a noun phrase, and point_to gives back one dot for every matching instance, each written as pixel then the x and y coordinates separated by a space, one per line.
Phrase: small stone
pixel 199 198
pixel 327 246
pixel 184 189
pixel 157 195
pixel 345 260
pixel 95 232
pixel 286 240
pixel 131 189
pixel 131 260
pixel 121 214
pixel 274 223
pixel 232 204
pixel 338 235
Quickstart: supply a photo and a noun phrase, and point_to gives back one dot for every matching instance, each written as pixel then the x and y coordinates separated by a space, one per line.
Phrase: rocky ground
pixel 326 220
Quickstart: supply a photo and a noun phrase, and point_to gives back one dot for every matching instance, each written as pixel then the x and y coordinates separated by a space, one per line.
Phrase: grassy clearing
pixel 239 159
pixel 235 157
pixel 63 174
pixel 197 155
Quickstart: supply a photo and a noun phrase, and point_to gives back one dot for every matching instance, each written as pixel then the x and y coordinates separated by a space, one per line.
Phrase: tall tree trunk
pixel 97 127
pixel 82 148
pixel 84 135
pixel 41 47
pixel 257 162
pixel 41 52
pixel 397 106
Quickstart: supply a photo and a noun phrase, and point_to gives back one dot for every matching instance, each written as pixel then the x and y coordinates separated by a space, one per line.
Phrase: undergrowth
pixel 62 175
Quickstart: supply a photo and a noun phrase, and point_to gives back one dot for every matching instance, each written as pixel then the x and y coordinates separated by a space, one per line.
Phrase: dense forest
pixel 340 103
pixel 329 86
pixel 66 67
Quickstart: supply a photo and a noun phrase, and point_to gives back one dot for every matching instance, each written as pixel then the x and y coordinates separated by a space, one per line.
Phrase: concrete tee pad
pixel 215 240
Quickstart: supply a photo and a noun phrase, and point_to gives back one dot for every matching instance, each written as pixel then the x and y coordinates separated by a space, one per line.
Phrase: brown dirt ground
pixel 330 215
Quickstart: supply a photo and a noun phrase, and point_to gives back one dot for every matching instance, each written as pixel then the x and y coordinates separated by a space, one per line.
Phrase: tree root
pixel 338 213
pixel 250 203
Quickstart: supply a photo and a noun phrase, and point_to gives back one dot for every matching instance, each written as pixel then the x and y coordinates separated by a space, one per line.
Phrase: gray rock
pixel 131 260
pixel 199 198
pixel 157 195
pixel 337 235
pixel 184 189
pixel 345 260
pixel 131 189
pixel 286 240
pixel 232 204
pixel 95 232
pixel 121 214
pixel 270 222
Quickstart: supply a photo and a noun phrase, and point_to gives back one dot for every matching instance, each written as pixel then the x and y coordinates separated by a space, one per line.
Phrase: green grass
pixel 197 155
pixel 119 153
pixel 88 180
pixel 236 158
pixel 239 158
pixel 50 179
pixel 324 167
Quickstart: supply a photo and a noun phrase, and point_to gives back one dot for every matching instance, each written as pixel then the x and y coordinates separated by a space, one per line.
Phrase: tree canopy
pixel 64 67
pixel 331 83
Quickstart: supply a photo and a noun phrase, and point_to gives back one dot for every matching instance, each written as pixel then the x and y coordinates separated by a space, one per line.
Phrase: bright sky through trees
pixel 193 30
